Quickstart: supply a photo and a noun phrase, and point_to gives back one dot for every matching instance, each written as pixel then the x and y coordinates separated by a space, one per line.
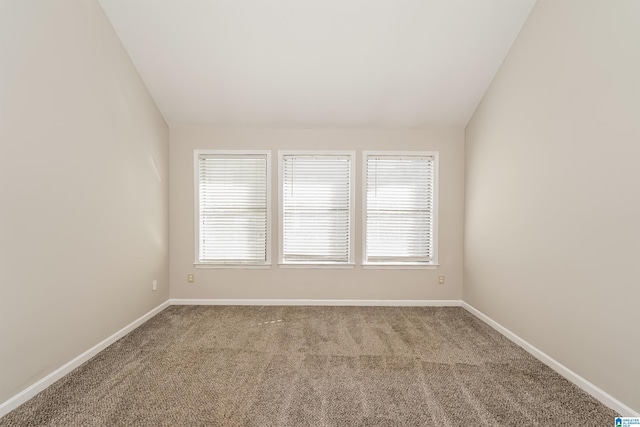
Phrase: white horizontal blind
pixel 316 208
pixel 399 208
pixel 233 208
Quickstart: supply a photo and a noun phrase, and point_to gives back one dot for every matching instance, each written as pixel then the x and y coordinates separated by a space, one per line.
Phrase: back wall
pixel 297 283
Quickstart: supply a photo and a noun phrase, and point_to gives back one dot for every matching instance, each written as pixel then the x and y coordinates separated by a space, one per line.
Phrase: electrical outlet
pixel 154 285
pixel 190 278
pixel 441 280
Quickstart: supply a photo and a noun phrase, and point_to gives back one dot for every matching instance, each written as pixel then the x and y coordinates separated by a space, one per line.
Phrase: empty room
pixel 319 212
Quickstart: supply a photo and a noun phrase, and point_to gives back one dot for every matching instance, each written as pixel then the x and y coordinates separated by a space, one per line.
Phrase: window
pixel 316 198
pixel 232 208
pixel 400 206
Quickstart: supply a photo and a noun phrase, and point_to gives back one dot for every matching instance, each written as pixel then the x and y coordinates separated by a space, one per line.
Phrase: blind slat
pixel 233 208
pixel 316 208
pixel 399 208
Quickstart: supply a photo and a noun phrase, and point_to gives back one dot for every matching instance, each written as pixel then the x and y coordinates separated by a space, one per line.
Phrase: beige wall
pixel 552 230
pixel 83 188
pixel 322 283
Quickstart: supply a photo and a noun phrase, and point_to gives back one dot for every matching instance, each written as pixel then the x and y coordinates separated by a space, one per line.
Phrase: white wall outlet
pixel 154 285
pixel 441 280
pixel 190 278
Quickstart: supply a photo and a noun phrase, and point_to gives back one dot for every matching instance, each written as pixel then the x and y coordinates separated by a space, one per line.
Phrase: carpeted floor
pixel 312 366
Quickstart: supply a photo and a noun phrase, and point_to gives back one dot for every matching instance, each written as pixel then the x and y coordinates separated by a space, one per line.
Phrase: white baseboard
pixel 20 398
pixel 327 302
pixel 576 379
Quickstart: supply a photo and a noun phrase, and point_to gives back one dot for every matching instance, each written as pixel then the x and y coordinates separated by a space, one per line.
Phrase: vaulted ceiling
pixel 317 63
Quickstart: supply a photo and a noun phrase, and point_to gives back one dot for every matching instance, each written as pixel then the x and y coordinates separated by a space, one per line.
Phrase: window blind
pixel 399 208
pixel 233 208
pixel 316 208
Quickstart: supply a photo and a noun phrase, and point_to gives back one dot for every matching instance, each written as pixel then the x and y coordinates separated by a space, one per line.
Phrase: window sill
pixel 316 265
pixel 241 266
pixel 398 266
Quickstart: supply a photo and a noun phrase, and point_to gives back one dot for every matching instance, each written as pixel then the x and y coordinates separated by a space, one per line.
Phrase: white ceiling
pixel 317 63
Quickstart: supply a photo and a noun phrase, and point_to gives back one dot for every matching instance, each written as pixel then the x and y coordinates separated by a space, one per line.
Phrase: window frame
pixel 433 264
pixel 196 171
pixel 352 169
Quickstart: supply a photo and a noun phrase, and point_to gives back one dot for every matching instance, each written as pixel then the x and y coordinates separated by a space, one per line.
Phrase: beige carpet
pixel 312 366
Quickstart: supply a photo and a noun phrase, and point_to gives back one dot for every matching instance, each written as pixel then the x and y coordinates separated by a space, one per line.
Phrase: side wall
pixel 288 283
pixel 552 230
pixel 83 188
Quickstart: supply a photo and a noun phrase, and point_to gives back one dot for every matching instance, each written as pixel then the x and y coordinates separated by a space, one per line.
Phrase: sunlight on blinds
pixel 233 208
pixel 316 208
pixel 399 208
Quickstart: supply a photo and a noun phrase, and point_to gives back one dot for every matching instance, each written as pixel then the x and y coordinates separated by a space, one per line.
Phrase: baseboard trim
pixel 599 394
pixel 324 302
pixel 576 379
pixel 30 392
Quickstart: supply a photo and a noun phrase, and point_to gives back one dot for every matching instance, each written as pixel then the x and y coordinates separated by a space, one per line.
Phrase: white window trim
pixel 196 202
pixel 332 265
pixel 329 265
pixel 436 185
